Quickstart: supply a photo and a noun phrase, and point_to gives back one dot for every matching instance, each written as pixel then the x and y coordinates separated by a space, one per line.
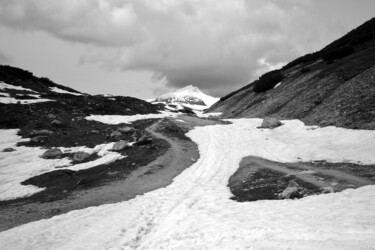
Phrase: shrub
pixel 267 81
pixel 337 53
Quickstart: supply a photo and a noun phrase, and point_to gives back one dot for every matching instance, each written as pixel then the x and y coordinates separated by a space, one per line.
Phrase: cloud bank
pixel 217 45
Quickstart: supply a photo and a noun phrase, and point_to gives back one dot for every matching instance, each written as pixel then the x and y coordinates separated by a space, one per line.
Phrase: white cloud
pixel 210 43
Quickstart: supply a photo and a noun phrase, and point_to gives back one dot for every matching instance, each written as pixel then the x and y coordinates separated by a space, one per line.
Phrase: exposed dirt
pixel 146 168
pixel 261 179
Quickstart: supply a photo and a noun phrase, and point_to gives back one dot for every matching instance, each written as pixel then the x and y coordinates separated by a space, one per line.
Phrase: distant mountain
pixel 188 95
pixel 333 86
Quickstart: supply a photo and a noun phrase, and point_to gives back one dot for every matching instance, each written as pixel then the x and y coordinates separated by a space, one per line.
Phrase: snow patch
pixel 117 119
pixel 11 100
pixel 4 85
pixel 61 91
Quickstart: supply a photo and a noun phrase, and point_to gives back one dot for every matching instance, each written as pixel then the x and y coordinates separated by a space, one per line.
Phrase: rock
pixel 80 156
pixel 95 132
pixel 56 123
pixel 126 129
pixel 41 132
pixel 120 145
pixel 327 190
pixel 8 150
pixel 144 140
pixel 292 183
pixel 39 139
pixel 52 153
pixel 270 122
pixel 290 193
pixel 115 134
pixel 52 116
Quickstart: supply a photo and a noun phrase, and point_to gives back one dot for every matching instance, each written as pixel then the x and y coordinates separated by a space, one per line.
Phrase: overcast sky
pixel 142 48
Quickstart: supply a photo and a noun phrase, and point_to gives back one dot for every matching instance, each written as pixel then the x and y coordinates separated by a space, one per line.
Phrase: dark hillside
pixel 334 86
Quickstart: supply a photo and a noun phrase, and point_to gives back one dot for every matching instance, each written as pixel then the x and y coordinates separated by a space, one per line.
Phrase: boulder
pixel 95 132
pixel 120 145
pixel 41 132
pixel 80 156
pixel 115 134
pixel 270 122
pixel 53 153
pixel 290 193
pixel 144 140
pixel 126 129
pixel 52 116
pixel 56 123
pixel 7 150
pixel 39 139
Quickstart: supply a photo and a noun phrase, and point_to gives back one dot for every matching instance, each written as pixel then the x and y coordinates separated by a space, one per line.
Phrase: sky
pixel 144 48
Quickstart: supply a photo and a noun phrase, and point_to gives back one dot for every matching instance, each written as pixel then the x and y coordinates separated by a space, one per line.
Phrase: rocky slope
pixel 334 86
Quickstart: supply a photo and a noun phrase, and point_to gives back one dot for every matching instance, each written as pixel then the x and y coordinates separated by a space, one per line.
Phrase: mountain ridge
pixel 334 86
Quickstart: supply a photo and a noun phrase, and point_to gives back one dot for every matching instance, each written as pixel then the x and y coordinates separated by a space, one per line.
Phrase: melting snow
pixel 11 100
pixel 58 90
pixel 195 211
pixel 4 85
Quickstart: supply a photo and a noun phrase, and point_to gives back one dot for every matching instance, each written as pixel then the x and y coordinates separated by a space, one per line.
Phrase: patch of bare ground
pixel 146 168
pixel 261 179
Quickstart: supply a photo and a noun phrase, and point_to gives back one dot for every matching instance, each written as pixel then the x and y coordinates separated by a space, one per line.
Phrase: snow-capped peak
pixel 188 95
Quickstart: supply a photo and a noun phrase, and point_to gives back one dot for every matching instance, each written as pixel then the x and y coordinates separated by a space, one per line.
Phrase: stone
pixel 290 193
pixel 115 134
pixel 126 129
pixel 120 145
pixel 53 153
pixel 8 150
pixel 39 139
pixel 292 183
pixel 95 132
pixel 56 123
pixel 327 190
pixel 144 140
pixel 270 122
pixel 80 156
pixel 52 116
pixel 41 132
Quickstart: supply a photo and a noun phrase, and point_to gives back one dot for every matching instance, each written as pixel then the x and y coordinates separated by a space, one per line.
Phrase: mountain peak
pixel 188 95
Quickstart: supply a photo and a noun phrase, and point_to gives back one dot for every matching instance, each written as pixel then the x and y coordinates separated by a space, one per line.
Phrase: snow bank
pixel 195 211
pixel 117 119
pixel 4 85
pixel 214 114
pixel 11 100
pixel 61 91
pixel 24 163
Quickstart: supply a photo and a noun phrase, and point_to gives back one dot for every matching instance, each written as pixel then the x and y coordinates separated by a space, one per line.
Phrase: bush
pixel 337 53
pixel 267 81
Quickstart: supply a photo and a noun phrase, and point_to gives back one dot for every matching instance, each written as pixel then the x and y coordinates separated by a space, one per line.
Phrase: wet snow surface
pixel 195 211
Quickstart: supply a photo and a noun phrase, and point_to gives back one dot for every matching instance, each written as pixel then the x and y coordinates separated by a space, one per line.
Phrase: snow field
pixel 195 211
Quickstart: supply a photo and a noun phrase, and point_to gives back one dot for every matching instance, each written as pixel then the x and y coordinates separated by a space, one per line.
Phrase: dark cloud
pixel 217 45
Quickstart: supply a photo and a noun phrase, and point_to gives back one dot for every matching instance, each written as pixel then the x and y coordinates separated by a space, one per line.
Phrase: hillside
pixel 334 86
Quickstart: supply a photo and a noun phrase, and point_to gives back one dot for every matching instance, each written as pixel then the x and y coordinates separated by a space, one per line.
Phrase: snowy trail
pixel 195 211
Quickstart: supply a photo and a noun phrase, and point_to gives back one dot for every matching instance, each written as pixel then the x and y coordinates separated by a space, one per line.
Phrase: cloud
pixel 4 59
pixel 217 45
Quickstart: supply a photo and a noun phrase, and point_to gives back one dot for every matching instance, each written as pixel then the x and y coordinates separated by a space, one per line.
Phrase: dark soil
pixel 266 184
